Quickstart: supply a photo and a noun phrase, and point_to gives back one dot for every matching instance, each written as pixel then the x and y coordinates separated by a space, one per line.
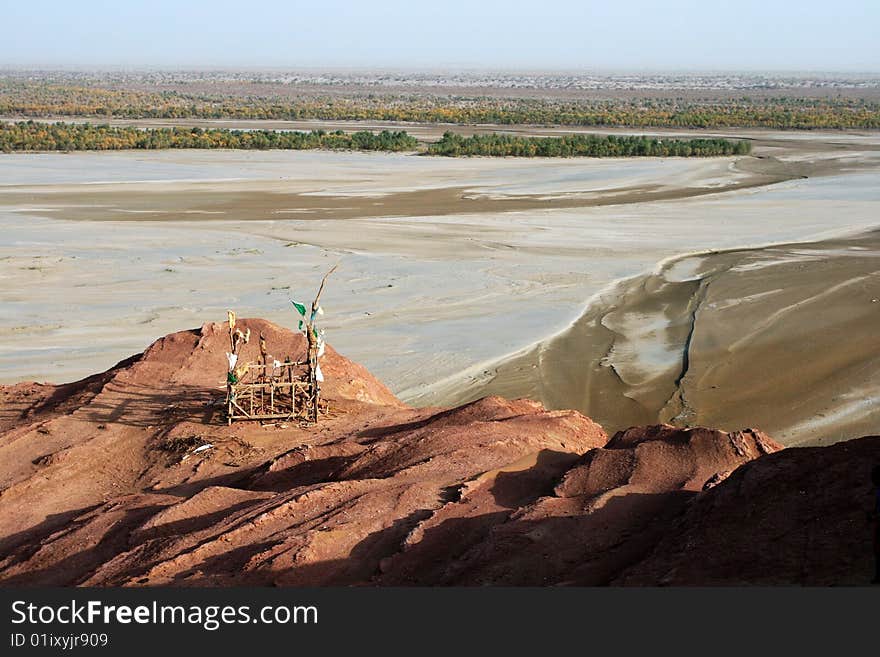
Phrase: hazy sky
pixel 825 35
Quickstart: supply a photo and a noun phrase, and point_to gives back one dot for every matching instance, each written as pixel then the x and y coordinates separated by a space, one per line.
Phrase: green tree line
pixel 35 136
pixel 584 145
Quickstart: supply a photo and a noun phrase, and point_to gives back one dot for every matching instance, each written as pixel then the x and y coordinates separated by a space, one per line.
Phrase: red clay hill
pixel 100 485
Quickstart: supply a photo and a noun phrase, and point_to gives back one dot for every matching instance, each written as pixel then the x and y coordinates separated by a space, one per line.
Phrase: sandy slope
pixel 785 336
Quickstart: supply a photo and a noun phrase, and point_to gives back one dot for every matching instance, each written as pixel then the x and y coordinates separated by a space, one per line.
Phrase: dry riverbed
pixel 567 280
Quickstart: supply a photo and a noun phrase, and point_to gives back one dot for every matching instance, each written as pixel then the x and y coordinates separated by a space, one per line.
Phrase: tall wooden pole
pixel 312 337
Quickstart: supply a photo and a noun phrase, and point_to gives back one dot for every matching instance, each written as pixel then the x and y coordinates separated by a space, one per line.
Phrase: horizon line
pixel 434 68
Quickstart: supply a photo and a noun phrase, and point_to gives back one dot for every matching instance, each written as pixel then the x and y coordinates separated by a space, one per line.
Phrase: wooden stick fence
pixel 282 394
pixel 270 390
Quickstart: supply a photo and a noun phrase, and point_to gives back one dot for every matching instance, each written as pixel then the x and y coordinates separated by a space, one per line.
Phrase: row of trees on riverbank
pixel 35 136
pixel 585 146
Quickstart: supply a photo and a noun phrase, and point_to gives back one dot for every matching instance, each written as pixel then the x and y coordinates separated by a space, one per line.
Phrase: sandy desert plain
pixel 725 292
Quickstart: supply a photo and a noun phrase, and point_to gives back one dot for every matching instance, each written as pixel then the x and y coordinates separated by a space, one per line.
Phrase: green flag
pixel 300 307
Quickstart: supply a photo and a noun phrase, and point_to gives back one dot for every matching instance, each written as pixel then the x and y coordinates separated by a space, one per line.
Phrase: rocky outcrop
pixel 607 510
pixel 102 485
pixel 797 517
